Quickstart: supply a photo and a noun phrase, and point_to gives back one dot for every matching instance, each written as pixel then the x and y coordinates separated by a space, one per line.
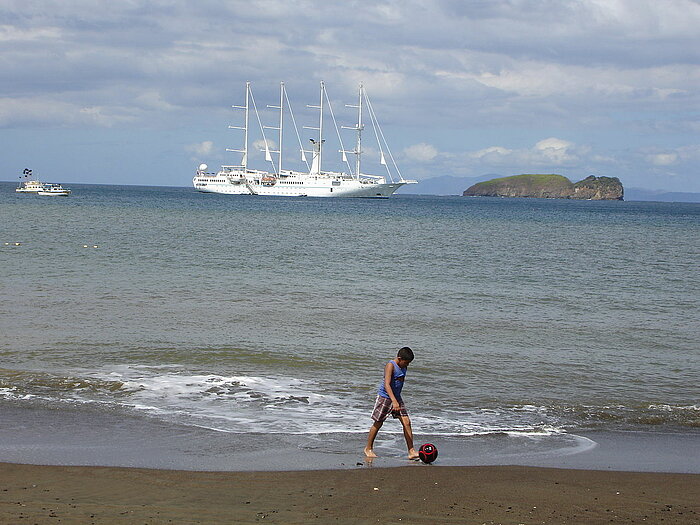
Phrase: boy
pixel 389 402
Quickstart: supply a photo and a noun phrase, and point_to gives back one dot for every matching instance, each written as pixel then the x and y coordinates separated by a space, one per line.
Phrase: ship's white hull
pixel 54 190
pixel 297 186
pixel 62 193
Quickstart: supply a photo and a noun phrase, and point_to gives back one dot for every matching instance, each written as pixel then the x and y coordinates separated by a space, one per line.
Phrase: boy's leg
pixel 369 452
pixel 408 435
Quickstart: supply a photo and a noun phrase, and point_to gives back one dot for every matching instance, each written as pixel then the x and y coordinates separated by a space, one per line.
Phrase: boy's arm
pixel 388 374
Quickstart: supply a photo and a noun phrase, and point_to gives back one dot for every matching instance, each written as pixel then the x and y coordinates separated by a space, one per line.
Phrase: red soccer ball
pixel 427 453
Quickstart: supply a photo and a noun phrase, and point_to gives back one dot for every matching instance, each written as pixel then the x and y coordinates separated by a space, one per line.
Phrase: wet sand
pixel 416 493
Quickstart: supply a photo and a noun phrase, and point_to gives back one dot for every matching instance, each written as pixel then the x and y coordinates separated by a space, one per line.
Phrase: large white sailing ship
pixel 242 180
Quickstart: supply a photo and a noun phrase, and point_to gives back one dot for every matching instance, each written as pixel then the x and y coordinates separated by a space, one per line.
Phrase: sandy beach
pixel 413 494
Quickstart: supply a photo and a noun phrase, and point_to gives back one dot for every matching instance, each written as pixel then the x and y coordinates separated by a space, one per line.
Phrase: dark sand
pixel 413 494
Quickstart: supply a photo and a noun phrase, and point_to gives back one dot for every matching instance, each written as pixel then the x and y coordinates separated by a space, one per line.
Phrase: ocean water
pixel 538 320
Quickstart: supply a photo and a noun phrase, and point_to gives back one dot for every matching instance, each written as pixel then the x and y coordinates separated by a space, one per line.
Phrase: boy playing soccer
pixel 389 402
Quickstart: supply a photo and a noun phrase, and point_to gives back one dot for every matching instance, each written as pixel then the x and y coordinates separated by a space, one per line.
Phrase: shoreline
pixel 99 439
pixel 417 494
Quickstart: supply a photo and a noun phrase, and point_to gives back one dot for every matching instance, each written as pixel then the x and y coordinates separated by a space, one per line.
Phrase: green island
pixel 549 186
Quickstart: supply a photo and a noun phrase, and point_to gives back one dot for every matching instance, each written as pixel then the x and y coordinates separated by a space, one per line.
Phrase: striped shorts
pixel 382 409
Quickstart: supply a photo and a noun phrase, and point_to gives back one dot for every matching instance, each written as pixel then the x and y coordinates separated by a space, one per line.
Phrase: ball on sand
pixel 427 453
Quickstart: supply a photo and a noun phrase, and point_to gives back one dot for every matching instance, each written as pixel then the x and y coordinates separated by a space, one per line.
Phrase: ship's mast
pixel 244 151
pixel 358 129
pixel 247 116
pixel 318 146
pixel 320 126
pixel 281 122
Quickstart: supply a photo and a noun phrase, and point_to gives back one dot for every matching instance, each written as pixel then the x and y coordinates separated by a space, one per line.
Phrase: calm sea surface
pixel 247 315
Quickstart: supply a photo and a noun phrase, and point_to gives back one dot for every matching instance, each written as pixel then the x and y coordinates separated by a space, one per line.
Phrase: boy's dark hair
pixel 405 353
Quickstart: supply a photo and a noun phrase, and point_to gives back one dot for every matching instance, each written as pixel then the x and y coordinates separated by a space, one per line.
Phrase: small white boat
pixel 54 190
pixel 30 186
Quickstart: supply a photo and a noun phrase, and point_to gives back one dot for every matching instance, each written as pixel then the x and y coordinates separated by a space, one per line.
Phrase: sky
pixel 141 92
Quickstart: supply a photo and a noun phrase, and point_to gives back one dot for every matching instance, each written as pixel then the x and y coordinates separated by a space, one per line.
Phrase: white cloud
pixel 602 159
pixel 492 154
pixel 420 152
pixel 154 100
pixel 555 151
pixel 683 155
pixel 663 159
pixel 47 112
pixel 10 33
pixel 260 144
pixel 548 152
pixel 201 148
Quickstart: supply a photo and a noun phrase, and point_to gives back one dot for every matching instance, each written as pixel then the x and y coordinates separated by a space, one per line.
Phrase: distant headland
pixel 549 186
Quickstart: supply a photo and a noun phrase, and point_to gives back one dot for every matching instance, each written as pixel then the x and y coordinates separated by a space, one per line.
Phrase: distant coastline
pixel 641 194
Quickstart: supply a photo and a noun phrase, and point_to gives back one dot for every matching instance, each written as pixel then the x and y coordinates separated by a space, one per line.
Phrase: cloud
pixel 48 112
pixel 550 152
pixel 492 154
pixel 420 152
pixel 15 34
pixel 153 100
pixel 558 152
pixel 684 155
pixel 201 148
pixel 663 159
pixel 486 81
pixel 260 144
pixel 116 54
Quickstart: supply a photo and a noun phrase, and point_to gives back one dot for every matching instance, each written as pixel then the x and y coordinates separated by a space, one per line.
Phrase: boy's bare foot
pixel 412 454
pixel 370 453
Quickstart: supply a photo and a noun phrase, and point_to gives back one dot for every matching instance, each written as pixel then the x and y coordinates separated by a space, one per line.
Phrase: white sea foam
pixel 581 444
pixel 10 393
pixel 671 408
pixel 269 404
pixel 247 403
pixel 232 403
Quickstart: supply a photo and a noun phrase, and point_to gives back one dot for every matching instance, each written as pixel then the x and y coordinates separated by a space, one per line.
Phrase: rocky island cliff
pixel 549 186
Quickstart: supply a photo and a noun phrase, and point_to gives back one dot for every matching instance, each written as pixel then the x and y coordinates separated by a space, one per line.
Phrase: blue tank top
pixel 397 378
